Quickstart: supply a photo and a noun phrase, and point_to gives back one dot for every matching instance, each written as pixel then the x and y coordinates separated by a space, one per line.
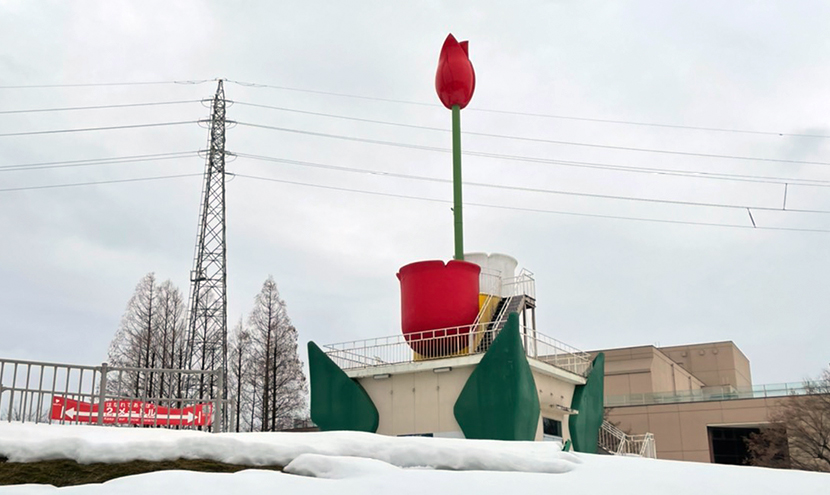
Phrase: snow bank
pixel 351 476
pixel 359 464
pixel 337 467
pixel 88 444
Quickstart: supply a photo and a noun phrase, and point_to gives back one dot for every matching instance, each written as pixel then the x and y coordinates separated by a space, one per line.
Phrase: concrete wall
pixel 628 371
pixel 422 401
pixel 643 370
pixel 668 376
pixel 553 392
pixel 715 363
pixel 419 402
pixel 680 430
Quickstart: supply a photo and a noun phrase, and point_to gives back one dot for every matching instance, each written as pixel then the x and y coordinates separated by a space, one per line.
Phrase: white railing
pixel 451 342
pixel 617 442
pixel 522 284
pixel 489 282
pixel 556 353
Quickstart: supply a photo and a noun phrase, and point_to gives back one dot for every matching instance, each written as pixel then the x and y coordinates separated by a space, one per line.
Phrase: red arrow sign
pixel 133 412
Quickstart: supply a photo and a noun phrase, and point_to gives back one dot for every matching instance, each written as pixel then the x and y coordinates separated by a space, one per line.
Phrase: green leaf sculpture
pixel 588 400
pixel 337 401
pixel 499 400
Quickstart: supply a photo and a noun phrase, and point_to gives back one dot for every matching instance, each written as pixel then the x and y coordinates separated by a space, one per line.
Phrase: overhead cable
pixel 527 189
pixel 622 168
pixel 97 161
pixel 93 129
pixel 88 85
pixel 534 210
pixel 538 115
pixel 434 148
pixel 98 107
pixel 95 183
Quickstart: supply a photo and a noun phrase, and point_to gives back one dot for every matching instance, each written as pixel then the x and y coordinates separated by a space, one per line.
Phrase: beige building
pixel 417 398
pixel 698 400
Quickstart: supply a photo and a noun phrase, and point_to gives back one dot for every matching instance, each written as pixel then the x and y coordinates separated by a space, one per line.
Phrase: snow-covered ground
pixel 349 463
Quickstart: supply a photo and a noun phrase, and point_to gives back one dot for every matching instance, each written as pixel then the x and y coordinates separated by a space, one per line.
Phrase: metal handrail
pixel 490 281
pixel 522 284
pixel 450 342
pixel 720 393
pixel 615 441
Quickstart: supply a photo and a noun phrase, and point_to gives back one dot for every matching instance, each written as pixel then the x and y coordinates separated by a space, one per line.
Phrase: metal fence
pixel 725 392
pixel 451 342
pixel 59 393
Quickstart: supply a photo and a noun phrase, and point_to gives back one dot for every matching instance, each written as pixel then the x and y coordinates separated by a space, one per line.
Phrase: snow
pixel 88 444
pixel 338 467
pixel 350 463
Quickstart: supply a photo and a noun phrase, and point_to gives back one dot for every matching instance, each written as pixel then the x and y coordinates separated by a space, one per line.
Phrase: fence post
pixel 218 404
pixel 102 393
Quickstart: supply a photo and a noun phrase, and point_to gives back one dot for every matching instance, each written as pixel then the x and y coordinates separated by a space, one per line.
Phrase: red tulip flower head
pixel 455 80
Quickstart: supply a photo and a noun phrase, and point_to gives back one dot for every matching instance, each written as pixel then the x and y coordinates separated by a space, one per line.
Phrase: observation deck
pixel 464 345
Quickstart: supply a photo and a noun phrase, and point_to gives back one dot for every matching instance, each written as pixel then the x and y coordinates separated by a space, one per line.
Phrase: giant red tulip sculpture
pixel 455 83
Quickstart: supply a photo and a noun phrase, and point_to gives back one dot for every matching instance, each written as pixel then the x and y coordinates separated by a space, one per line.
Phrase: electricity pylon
pixel 208 317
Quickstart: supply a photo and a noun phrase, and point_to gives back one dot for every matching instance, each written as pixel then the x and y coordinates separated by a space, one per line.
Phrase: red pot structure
pixel 438 303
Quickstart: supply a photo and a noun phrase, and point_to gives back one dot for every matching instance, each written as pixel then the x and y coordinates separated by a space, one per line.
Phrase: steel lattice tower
pixel 208 317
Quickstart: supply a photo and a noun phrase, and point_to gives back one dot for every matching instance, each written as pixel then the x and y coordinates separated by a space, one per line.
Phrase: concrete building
pixel 418 398
pixel 697 400
pixel 468 363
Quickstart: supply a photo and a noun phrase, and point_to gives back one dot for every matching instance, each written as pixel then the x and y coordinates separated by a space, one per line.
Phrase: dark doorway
pixel 728 445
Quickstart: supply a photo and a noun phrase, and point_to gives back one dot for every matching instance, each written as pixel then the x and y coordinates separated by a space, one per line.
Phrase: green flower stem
pixel 456 182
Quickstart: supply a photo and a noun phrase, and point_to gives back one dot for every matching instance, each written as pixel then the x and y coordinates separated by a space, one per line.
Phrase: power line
pixel 92 129
pixel 538 115
pixel 534 210
pixel 652 124
pixel 330 93
pixel 527 189
pixel 97 107
pixel 658 171
pixel 418 103
pixel 434 148
pixel 115 181
pixel 88 85
pixel 622 168
pixel 97 161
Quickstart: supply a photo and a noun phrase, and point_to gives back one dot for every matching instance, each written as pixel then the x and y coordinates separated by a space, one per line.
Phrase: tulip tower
pixel 470 362
pixel 455 82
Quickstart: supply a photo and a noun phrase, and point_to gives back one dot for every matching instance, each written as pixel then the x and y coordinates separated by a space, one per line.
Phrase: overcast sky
pixel 71 257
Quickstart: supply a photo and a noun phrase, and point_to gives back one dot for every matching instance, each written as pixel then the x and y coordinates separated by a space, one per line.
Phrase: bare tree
pixel 151 335
pixel 134 338
pixel 280 388
pixel 171 337
pixel 240 376
pixel 799 433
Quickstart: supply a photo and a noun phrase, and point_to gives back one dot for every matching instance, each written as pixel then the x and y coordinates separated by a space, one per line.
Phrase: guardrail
pixel 713 394
pixel 522 284
pixel 451 342
pixel 617 442
pixel 489 282
pixel 556 353
pixel 59 393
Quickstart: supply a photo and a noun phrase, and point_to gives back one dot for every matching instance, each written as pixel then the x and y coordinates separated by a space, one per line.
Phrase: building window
pixel 552 427
pixel 729 444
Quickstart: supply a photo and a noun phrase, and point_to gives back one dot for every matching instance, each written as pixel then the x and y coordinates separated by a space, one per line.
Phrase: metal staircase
pixel 512 304
pixel 617 442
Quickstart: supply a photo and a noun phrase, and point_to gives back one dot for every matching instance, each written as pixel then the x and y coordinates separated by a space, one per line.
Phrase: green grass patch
pixel 64 472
